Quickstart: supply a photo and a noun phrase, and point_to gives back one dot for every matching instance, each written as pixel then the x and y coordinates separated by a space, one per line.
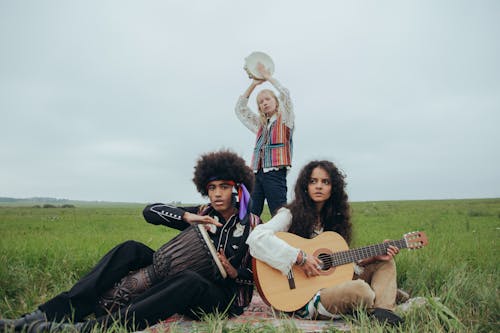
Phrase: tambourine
pixel 251 64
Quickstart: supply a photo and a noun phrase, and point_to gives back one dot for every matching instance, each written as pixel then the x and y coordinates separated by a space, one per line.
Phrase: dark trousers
pixel 181 293
pixel 82 299
pixel 270 186
pixel 186 293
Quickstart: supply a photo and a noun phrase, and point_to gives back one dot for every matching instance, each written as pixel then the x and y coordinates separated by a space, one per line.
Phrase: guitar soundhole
pixel 325 259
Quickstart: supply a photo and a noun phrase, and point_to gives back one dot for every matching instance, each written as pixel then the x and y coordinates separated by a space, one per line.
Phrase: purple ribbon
pixel 244 199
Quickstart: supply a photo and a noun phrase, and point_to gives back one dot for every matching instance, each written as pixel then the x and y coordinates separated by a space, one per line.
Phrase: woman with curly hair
pixel 321 204
pixel 132 284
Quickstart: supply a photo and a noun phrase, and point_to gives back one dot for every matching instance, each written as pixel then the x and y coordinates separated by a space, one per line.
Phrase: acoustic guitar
pixel 290 293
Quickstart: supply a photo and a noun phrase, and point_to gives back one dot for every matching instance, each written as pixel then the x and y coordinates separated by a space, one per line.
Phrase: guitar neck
pixel 349 256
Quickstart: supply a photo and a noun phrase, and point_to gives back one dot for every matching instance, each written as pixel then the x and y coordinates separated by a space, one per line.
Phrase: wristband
pixel 304 259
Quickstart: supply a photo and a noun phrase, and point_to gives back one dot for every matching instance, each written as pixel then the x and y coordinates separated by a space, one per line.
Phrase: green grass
pixel 43 251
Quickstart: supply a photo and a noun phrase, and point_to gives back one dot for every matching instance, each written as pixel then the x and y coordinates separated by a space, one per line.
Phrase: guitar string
pixel 345 257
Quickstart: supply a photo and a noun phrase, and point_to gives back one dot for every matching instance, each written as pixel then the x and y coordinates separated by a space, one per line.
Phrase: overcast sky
pixel 115 100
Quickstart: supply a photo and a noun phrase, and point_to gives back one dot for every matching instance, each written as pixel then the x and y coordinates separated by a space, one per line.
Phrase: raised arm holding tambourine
pixel 273 125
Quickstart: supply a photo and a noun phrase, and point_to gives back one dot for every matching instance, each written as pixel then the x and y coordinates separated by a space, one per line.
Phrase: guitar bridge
pixel 291 280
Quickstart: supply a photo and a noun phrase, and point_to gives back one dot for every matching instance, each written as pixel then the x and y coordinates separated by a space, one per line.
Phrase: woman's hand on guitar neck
pixel 391 253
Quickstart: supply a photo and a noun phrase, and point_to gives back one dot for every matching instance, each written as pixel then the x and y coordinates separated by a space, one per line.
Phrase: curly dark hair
pixel 223 164
pixel 335 214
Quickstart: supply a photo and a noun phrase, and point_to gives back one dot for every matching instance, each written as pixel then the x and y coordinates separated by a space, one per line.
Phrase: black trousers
pixel 270 186
pixel 181 293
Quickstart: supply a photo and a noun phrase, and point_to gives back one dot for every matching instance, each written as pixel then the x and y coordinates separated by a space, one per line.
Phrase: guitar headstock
pixel 415 240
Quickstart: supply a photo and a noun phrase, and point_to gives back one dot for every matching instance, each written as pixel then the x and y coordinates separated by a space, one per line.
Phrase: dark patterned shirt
pixel 231 238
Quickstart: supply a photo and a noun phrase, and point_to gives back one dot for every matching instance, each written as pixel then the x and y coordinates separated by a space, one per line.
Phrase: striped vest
pixel 273 147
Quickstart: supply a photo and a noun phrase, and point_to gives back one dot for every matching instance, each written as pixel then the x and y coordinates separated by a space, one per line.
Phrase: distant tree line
pixel 54 206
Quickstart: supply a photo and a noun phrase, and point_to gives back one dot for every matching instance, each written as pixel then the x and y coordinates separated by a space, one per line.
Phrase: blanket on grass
pixel 257 314
pixel 260 315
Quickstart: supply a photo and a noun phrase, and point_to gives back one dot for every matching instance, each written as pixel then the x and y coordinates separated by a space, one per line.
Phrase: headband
pixel 243 195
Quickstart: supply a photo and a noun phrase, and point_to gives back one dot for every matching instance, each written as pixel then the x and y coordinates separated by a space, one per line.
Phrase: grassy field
pixel 43 251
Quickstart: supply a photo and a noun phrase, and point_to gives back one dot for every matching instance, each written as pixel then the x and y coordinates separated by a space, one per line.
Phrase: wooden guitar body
pixel 289 293
pixel 273 286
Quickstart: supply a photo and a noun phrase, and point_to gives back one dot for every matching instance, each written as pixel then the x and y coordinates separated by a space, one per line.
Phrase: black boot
pixel 23 322
pixel 385 316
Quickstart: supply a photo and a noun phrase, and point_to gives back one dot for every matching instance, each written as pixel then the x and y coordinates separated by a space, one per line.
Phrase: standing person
pixel 320 205
pixel 272 154
pixel 143 297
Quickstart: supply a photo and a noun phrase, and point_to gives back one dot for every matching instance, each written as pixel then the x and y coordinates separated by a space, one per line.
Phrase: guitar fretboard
pixel 346 257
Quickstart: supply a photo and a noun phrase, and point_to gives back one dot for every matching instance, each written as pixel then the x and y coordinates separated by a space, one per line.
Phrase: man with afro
pixel 131 286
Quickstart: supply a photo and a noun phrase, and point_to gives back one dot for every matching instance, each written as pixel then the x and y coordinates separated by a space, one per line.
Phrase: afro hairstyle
pixel 221 165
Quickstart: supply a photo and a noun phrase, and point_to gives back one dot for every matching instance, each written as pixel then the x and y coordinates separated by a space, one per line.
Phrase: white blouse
pixel 265 246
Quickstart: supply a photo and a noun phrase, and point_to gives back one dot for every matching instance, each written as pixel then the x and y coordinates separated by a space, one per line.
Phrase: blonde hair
pixel 263 118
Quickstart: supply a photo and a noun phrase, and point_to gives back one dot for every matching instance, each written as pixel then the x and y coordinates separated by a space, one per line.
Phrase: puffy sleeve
pixel 286 105
pixel 249 118
pixel 265 246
